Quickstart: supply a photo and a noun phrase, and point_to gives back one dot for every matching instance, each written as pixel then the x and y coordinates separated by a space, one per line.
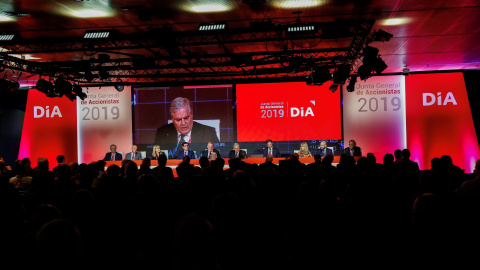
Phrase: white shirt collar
pixel 187 137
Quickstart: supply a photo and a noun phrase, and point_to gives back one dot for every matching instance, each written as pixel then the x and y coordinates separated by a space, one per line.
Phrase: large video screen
pixel 287 112
pixel 167 116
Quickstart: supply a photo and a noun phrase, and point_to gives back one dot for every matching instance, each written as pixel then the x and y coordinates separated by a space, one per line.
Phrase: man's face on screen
pixel 269 144
pixel 236 148
pixel 323 145
pixel 351 145
pixel 183 120
pixel 134 149
pixel 113 148
pixel 186 147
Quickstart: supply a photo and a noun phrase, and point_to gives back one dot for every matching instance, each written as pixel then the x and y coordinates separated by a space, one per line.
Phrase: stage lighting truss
pixel 171 64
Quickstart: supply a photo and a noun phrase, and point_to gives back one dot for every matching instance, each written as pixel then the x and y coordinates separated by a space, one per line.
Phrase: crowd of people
pixel 262 216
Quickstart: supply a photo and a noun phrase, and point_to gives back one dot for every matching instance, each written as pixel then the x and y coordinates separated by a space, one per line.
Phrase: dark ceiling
pixel 427 35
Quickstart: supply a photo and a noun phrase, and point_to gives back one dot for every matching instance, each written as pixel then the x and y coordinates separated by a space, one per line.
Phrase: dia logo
pixel 430 99
pixel 39 112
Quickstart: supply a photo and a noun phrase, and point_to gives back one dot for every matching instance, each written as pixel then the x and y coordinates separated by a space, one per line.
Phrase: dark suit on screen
pixel 190 154
pixel 232 154
pixel 200 133
pixel 108 156
pixel 275 152
pixel 205 153
pixel 356 151
pixel 322 153
pixel 138 156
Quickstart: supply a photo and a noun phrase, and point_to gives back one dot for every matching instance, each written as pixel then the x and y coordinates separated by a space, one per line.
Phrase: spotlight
pixel 8 85
pixel 381 35
pixel 63 87
pixel 100 34
pixel 351 84
pixel 341 74
pixel 406 72
pixel 4 37
pixel 45 87
pixel 333 88
pixel 319 76
pixel 119 87
pixel 79 92
pixel 301 29
pixel 380 65
pixel 364 72
pixel 212 26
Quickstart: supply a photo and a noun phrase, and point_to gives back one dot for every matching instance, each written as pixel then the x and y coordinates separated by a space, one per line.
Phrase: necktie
pixel 182 139
pixel 209 153
pixel 236 154
pixel 270 151
pixel 185 153
pixel 324 151
pixel 133 156
pixel 113 156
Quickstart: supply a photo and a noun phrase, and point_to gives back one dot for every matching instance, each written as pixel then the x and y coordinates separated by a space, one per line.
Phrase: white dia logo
pixel 294 112
pixel 429 99
pixel 39 112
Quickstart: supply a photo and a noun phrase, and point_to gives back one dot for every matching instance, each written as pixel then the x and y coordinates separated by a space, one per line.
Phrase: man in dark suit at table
pixel 323 151
pixel 353 149
pixel 183 128
pixel 235 153
pixel 186 151
pixel 134 155
pixel 270 149
pixel 112 155
pixel 210 149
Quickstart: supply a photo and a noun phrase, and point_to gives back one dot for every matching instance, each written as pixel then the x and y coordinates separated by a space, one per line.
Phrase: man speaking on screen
pixel 183 128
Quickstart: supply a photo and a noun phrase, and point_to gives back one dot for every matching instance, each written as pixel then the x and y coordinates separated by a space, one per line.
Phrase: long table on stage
pixel 173 163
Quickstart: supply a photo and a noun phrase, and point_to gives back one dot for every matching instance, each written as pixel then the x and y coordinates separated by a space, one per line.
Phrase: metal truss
pixel 170 65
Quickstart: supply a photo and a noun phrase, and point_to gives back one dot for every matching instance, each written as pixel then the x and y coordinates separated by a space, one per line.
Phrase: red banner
pixel 49 129
pixel 439 121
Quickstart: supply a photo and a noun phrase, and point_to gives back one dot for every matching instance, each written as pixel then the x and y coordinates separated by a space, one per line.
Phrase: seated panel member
pixel 323 151
pixel 186 151
pixel 353 149
pixel 134 155
pixel 210 149
pixel 183 128
pixel 112 155
pixel 235 153
pixel 304 150
pixel 270 149
pixel 156 152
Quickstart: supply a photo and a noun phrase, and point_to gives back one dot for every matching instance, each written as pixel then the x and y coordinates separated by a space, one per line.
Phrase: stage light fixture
pixel 63 87
pixel 406 72
pixel 8 85
pixel 351 84
pixel 341 74
pixel 89 75
pixel 333 88
pixel 45 87
pixel 77 90
pixel 9 36
pixel 212 26
pixel 319 76
pixel 364 72
pixel 100 34
pixel 382 36
pixel 380 65
pixel 119 87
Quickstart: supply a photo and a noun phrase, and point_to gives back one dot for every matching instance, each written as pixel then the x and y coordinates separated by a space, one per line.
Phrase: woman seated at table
pixel 156 152
pixel 304 152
